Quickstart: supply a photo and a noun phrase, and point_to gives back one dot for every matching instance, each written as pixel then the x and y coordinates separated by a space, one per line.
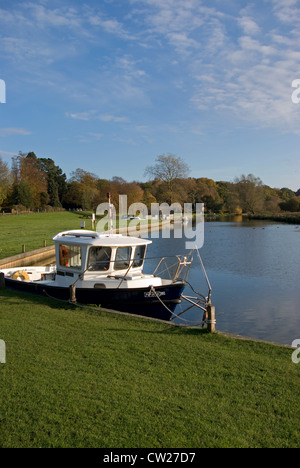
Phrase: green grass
pixel 33 229
pixel 76 377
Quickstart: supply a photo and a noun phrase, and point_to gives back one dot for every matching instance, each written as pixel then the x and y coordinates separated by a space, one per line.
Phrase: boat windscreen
pixel 139 256
pixel 99 258
pixel 123 258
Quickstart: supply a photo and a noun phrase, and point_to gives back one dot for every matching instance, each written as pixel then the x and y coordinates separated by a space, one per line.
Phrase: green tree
pixel 5 181
pixel 56 181
pixel 22 195
pixel 292 205
pixel 73 196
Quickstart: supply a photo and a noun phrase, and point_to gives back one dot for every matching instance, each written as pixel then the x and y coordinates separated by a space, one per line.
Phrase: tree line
pixel 33 183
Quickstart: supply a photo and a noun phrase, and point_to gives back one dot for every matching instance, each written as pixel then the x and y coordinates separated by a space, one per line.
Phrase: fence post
pixel 72 293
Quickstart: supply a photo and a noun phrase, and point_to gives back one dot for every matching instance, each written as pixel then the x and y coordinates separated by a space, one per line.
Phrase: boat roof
pixel 85 237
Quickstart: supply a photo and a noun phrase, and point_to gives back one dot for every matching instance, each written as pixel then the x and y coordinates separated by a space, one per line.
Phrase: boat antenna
pixel 110 213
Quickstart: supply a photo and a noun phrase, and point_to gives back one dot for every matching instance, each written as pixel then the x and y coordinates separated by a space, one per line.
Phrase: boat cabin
pixel 101 254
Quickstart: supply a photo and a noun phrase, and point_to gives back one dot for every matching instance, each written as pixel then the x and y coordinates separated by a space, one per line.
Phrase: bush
pixel 292 205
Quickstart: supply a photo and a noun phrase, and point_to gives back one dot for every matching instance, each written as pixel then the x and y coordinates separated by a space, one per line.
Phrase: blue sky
pixel 109 85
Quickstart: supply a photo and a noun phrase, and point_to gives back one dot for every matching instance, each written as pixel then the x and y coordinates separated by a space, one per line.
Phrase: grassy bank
pixel 290 218
pixel 76 377
pixel 32 229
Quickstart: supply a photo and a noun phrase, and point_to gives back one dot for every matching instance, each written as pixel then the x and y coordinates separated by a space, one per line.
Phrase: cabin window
pixel 123 258
pixel 99 258
pixel 70 256
pixel 139 256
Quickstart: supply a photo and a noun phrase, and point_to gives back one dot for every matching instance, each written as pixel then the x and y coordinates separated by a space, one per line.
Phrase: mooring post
pixel 211 318
pixel 2 281
pixel 73 293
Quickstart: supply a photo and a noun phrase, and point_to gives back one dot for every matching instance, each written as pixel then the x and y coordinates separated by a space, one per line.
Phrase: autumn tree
pixel 250 192
pixel 87 187
pixel 168 169
pixel 32 180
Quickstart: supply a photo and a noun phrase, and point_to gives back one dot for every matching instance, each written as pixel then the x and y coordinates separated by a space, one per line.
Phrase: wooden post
pixel 2 281
pixel 211 318
pixel 23 248
pixel 45 243
pixel 73 293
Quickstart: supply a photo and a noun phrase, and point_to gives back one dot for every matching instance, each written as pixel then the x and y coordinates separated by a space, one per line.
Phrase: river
pixel 254 270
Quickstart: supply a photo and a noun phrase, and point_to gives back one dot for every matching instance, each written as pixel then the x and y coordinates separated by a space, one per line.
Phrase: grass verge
pixel 76 377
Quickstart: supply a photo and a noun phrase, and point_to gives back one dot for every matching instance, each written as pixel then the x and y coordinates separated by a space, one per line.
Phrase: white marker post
pixel 110 212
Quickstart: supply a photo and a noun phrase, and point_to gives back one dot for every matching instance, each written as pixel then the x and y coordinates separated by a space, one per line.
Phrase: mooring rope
pixel 173 313
pixel 86 306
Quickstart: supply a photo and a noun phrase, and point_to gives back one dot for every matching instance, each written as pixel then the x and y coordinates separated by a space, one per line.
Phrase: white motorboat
pixel 107 270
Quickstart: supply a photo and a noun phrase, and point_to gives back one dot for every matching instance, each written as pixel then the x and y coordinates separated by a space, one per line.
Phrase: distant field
pixel 33 229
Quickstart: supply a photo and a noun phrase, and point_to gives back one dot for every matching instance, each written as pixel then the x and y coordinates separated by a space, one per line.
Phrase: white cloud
pixel 58 17
pixel 286 11
pixel 229 60
pixel 94 115
pixel 6 132
pixel 7 154
pixel 112 118
pixel 248 25
pixel 80 115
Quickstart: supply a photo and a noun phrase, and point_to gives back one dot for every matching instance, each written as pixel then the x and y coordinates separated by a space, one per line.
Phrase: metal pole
pixel 211 318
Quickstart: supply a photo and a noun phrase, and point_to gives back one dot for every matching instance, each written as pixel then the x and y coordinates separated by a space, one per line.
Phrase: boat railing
pixel 175 268
pixel 171 268
pixel 168 268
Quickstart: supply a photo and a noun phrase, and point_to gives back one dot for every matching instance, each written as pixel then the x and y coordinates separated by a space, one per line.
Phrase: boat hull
pixel 138 301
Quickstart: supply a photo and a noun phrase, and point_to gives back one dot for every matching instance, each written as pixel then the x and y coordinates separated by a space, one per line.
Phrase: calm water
pixel 254 270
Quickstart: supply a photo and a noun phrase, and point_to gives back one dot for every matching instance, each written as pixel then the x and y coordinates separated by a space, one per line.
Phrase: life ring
pixel 63 256
pixel 21 275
